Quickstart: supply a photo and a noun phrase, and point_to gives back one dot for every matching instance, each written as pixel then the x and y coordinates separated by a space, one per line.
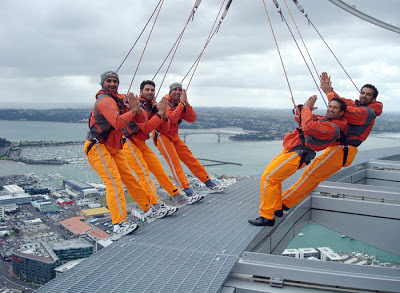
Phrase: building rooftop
pixel 40 251
pixel 71 243
pixel 95 211
pixel 210 246
pixel 75 225
pixel 77 184
pixel 12 189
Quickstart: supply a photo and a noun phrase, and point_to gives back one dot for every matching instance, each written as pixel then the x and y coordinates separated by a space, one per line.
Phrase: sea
pixel 240 159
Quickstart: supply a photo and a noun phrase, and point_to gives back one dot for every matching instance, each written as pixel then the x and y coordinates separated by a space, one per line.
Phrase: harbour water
pixel 314 235
pixel 253 155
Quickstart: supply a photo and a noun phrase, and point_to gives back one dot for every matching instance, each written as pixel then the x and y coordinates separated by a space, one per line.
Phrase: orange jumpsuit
pixel 141 158
pixel 103 149
pixel 173 148
pixel 319 133
pixel 360 120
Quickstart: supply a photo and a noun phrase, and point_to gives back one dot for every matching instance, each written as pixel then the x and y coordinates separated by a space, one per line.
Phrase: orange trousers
pixel 322 167
pixel 111 166
pixel 174 150
pixel 142 160
pixel 280 168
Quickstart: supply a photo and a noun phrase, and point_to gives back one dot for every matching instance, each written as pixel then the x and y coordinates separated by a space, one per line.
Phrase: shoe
pixel 285 208
pixel 123 228
pixel 220 187
pixel 189 191
pixel 215 187
pixel 171 209
pixel 194 198
pixel 182 199
pixel 261 221
pixel 156 213
pixel 210 183
pixel 278 213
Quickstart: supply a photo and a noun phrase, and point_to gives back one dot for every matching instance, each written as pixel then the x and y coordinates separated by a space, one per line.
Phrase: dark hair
pixel 371 87
pixel 144 82
pixel 342 103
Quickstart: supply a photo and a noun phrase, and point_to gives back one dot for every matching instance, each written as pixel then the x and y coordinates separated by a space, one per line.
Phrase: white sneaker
pixel 156 213
pixel 122 229
pixel 182 199
pixel 171 209
pixel 218 188
pixel 194 198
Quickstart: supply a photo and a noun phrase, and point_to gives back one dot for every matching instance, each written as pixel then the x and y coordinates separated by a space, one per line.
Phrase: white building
pixel 39 203
pixel 308 252
pixel 94 205
pixel 34 221
pixel 291 252
pixel 14 194
pixel 84 201
pixel 327 254
pixel 12 190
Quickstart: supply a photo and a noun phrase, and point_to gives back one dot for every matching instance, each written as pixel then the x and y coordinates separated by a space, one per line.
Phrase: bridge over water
pixel 218 133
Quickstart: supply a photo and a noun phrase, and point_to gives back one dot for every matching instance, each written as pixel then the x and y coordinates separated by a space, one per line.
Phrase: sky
pixel 54 51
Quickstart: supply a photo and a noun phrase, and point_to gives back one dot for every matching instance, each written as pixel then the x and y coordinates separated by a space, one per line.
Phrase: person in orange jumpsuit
pixel 103 148
pixel 173 148
pixel 360 116
pixel 315 133
pixel 142 159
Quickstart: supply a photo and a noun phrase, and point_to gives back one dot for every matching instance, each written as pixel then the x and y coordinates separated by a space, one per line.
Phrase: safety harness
pixel 98 136
pixel 157 132
pixel 173 107
pixel 345 144
pixel 305 153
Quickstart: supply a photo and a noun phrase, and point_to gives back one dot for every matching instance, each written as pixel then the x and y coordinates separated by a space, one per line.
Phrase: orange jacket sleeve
pixel 151 124
pixel 316 127
pixel 140 117
pixel 174 114
pixel 189 115
pixel 109 109
pixel 164 127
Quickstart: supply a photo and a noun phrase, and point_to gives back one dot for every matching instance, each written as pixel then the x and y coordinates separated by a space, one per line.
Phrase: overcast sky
pixel 53 51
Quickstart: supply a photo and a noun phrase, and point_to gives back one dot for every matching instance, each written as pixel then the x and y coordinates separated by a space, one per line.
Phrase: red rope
pixel 301 37
pixel 302 55
pixel 123 61
pixel 205 45
pixel 309 21
pixel 176 48
pixel 277 47
pixel 334 55
pixel 145 46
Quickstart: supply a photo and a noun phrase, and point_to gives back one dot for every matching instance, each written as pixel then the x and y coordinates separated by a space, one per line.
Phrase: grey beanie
pixel 108 74
pixel 175 85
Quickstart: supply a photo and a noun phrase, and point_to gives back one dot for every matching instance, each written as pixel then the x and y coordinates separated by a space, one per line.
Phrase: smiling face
pixel 366 96
pixel 110 84
pixel 147 92
pixel 175 94
pixel 334 112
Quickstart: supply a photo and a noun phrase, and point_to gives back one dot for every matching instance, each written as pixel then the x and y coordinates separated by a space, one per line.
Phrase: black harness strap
pixel 94 141
pixel 345 143
pixel 156 133
pixel 304 152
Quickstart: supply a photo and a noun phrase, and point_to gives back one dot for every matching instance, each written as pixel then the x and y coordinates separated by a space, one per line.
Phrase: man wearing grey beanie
pixel 103 148
pixel 174 149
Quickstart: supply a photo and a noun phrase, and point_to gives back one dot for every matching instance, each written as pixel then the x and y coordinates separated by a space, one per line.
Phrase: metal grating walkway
pixel 192 251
